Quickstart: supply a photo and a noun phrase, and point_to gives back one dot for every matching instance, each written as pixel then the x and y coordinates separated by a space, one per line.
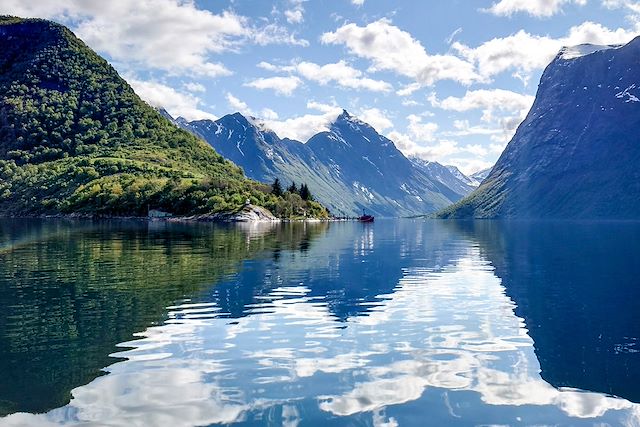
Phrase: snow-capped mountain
pixel 576 153
pixel 243 141
pixel 450 176
pixel 459 175
pixel 348 168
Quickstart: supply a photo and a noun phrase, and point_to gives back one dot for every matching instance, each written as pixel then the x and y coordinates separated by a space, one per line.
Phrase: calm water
pixel 408 323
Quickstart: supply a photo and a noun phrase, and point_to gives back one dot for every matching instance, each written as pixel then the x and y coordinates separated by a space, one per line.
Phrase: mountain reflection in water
pixel 392 323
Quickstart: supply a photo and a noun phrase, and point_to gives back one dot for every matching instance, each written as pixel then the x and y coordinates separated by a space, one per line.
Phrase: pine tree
pixel 305 194
pixel 276 188
pixel 293 188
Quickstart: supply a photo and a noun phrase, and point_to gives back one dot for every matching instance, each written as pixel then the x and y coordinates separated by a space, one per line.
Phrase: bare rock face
pixel 249 213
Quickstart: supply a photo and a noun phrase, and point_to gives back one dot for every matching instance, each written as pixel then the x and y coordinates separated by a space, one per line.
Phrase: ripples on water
pixel 394 323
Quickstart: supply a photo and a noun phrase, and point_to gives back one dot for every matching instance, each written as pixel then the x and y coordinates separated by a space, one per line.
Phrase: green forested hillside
pixel 75 138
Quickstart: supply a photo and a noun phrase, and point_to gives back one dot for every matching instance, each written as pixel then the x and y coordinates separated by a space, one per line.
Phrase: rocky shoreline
pixel 248 214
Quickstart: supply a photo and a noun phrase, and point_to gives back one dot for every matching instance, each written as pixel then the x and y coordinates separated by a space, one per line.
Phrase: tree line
pixel 303 191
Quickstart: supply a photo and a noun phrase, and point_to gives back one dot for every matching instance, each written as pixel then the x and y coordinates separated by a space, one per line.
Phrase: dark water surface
pixel 407 323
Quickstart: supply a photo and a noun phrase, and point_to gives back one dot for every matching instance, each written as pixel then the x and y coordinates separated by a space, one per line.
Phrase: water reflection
pixel 577 285
pixel 374 325
pixel 70 291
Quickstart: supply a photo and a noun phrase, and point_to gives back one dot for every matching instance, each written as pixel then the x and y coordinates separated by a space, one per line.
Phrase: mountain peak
pixel 578 51
pixel 344 115
pixel 585 49
pixel 348 119
pixel 246 121
pixel 241 118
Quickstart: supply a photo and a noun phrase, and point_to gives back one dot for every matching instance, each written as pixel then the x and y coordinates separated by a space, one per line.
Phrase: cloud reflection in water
pixel 451 330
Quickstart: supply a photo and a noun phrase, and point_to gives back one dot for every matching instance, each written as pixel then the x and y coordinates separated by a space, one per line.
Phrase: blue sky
pixel 446 80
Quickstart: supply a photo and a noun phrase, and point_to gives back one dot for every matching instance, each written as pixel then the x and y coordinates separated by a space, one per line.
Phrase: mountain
pixel 348 168
pixel 449 176
pixel 245 142
pixel 481 175
pixel 576 153
pixel 75 138
pixel 462 177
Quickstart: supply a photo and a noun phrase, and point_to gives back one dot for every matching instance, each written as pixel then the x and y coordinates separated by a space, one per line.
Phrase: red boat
pixel 366 218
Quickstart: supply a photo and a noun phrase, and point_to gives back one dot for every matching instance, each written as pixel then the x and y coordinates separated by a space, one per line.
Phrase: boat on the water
pixel 365 217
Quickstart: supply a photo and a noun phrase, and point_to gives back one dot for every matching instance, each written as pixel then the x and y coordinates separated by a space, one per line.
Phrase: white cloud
pixel 237 105
pixel 295 15
pixel 500 132
pixel 464 128
pixel 423 132
pixel 176 103
pixel 276 34
pixel 376 118
pixel 523 52
pixel 194 87
pixel 504 107
pixel 170 35
pixel 281 85
pixel 357 2
pixel 497 148
pixel 268 114
pixel 538 8
pixel 268 66
pixel 301 128
pixel 408 89
pixel 410 103
pixel 487 100
pixel 339 73
pixel 324 108
pixel 390 48
pixel 342 74
pixel 414 141
pixel 434 151
pixel 631 5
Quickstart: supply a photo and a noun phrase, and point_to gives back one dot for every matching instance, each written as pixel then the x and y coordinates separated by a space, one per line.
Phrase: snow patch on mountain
pixel 462 177
pixel 365 191
pixel 625 93
pixel 573 52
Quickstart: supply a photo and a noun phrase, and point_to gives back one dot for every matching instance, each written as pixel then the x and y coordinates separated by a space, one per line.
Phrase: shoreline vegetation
pixel 247 214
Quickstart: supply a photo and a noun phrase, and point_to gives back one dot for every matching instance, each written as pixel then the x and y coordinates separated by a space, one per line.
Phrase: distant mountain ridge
pixel 576 154
pixel 481 175
pixel 349 167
